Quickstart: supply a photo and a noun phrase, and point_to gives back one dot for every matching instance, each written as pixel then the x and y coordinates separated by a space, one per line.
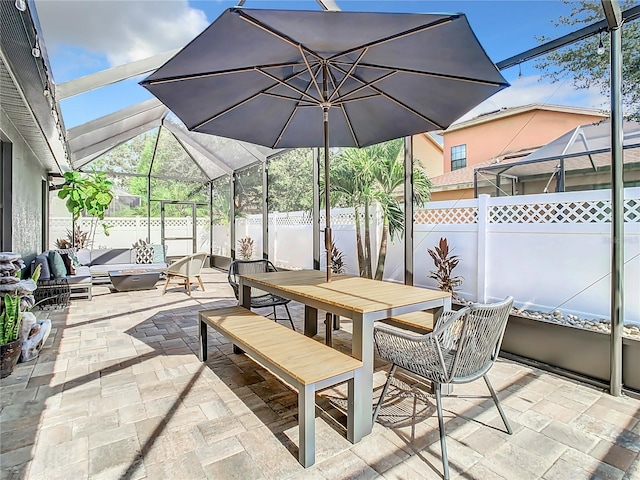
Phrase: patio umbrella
pixel 295 78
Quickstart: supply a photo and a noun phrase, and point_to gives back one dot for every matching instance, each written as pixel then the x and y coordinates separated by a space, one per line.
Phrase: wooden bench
pixel 419 322
pixel 300 361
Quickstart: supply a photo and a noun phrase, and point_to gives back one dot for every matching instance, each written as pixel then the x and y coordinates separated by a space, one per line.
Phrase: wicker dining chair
pixel 259 298
pixel 462 348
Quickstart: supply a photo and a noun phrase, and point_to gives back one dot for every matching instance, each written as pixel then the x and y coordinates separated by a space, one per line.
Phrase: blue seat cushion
pixel 159 255
pixel 43 261
pixel 58 268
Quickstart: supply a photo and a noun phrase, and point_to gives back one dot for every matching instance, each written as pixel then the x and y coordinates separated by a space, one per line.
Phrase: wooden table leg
pixel 328 329
pixel 310 321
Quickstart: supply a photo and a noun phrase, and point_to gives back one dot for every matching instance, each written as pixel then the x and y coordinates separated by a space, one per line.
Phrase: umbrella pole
pixel 328 321
pixel 327 230
pixel 325 123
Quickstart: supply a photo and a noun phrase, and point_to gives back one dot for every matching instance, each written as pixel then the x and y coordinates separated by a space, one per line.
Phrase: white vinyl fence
pixel 549 251
pixel 125 231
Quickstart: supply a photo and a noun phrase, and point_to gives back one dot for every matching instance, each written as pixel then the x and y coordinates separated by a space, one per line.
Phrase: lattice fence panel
pixel 130 222
pixel 632 210
pixel 446 216
pixel 596 211
pixel 290 220
pixel 349 218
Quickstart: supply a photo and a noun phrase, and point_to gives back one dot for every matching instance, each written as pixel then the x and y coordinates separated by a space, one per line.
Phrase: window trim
pixel 458 162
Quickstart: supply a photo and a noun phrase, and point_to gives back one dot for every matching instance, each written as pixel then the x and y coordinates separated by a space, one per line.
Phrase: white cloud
pixel 529 89
pixel 122 31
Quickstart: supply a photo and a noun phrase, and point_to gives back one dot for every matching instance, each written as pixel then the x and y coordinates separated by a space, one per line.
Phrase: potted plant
pixel 91 193
pixel 246 248
pixel 10 343
pixel 13 306
pixel 445 263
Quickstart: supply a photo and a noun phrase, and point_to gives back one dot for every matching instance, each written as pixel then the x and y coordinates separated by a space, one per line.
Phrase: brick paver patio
pixel 118 392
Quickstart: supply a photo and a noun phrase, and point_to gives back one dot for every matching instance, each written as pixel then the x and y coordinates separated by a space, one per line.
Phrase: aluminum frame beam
pixel 116 117
pixel 119 138
pixel 588 31
pixel 113 75
pixel 179 134
pixel 612 12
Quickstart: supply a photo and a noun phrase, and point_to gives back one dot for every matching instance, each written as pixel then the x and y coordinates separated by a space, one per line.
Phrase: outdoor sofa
pixel 90 267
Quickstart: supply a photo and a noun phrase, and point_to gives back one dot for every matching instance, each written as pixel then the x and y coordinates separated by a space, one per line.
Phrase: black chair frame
pixel 239 267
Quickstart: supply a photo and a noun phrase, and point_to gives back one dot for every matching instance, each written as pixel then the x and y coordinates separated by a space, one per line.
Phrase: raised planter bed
pixel 580 351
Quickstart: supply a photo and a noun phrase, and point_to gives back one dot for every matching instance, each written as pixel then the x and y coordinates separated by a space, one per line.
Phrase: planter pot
pixel 9 354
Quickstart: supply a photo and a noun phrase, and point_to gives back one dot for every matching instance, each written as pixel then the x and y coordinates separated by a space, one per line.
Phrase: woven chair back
pixel 476 338
pixel 246 267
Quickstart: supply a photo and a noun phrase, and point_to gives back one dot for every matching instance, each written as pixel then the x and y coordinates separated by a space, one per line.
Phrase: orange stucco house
pixel 430 153
pixel 504 136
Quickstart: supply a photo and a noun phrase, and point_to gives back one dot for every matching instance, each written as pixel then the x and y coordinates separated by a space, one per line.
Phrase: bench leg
pixel 202 333
pixel 307 425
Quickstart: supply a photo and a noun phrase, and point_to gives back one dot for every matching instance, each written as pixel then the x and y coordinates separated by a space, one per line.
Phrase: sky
pixel 83 37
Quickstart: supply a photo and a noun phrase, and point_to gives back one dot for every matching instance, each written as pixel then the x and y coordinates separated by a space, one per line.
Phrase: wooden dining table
pixel 364 301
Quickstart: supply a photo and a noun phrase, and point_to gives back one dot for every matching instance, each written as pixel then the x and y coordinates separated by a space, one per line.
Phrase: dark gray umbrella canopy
pixel 257 76
pixel 292 78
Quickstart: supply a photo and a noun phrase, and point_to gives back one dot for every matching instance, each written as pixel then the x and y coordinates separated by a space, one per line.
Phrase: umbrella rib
pixel 346 117
pixel 366 85
pixel 313 76
pixel 196 76
pixel 224 112
pixel 275 33
pixel 396 36
pixel 293 112
pixel 284 83
pixel 284 97
pixel 286 125
pixel 397 102
pixel 295 75
pixel 351 70
pixel 431 74
pixel 350 100
pixel 242 102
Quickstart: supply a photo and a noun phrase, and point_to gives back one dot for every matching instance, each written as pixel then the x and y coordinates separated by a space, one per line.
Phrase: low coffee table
pixel 128 280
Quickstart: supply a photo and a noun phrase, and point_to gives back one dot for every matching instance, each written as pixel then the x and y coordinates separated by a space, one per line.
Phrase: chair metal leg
pixel 497 402
pixel 384 392
pixel 290 319
pixel 443 442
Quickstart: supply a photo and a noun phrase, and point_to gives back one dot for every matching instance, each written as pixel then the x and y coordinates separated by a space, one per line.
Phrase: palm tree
pixel 389 176
pixel 349 183
pixel 359 166
pixel 373 175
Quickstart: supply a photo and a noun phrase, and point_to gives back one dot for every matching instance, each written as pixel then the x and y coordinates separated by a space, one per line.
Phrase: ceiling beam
pixel 329 5
pixel 78 155
pixel 612 13
pixel 117 117
pixel 111 75
pixel 627 16
pixel 185 138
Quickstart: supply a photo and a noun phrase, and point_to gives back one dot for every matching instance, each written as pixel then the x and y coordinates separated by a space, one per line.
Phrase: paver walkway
pixel 119 393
